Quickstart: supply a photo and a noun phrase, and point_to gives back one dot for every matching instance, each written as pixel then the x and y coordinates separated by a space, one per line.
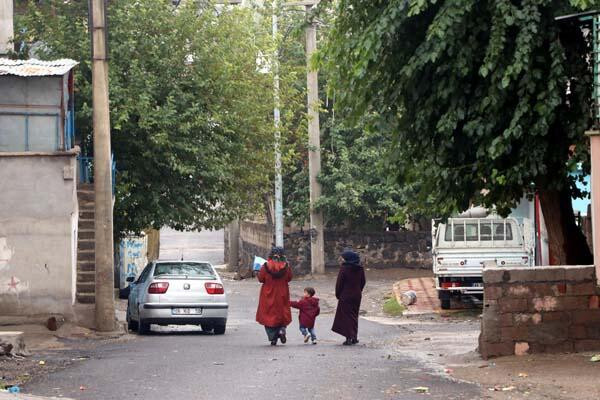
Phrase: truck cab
pixel 462 245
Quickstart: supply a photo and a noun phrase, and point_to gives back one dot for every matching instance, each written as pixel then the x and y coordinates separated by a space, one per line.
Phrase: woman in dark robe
pixel 274 310
pixel 348 290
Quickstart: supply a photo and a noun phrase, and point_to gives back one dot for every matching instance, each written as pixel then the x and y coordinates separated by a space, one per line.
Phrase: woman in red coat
pixel 274 302
pixel 348 290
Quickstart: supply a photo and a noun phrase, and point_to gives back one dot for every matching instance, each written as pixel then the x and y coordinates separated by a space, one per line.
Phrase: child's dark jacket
pixel 309 309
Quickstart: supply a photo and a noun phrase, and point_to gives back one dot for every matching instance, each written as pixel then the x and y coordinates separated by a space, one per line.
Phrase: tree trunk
pixel 567 243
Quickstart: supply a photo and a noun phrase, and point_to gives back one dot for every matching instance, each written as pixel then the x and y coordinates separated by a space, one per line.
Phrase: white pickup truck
pixel 462 245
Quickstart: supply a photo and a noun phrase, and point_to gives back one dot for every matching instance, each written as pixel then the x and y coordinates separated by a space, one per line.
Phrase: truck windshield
pixel 481 231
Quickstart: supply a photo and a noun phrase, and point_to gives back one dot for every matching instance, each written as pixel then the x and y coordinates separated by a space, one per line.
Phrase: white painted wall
pixel 38 214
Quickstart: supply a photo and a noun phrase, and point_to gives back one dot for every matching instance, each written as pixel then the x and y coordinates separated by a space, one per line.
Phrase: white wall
pixel 38 214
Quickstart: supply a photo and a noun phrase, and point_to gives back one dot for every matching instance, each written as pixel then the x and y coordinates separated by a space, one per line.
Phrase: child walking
pixel 309 309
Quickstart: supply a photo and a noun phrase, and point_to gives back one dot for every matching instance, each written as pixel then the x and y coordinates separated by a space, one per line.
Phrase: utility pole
pixel 105 307
pixel 234 245
pixel 317 243
pixel 277 119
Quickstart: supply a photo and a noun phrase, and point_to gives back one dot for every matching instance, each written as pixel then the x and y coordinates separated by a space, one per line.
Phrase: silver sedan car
pixel 177 293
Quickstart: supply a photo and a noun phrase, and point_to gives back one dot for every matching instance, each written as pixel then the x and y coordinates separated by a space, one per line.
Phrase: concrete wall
pixel 540 310
pixel 38 233
pixel 377 249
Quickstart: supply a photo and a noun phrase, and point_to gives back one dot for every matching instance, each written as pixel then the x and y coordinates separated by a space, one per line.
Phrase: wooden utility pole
pixel 105 303
pixel 317 243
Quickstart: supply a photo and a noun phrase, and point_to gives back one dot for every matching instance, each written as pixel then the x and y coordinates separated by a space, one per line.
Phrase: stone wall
pixel 540 310
pixel 377 249
pixel 255 240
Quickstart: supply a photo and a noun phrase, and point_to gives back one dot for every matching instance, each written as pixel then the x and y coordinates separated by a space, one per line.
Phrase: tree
pixel 487 100
pixel 190 114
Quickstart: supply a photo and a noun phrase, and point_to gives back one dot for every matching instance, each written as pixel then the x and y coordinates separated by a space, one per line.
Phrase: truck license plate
pixel 187 311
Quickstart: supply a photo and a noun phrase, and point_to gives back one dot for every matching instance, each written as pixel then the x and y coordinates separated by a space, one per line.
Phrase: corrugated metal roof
pixel 33 67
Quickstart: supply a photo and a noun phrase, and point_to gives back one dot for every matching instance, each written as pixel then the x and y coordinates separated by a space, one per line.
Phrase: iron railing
pixel 86 170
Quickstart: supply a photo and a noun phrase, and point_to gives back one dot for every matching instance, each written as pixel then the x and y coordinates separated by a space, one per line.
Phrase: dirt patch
pixel 50 351
pixel 540 376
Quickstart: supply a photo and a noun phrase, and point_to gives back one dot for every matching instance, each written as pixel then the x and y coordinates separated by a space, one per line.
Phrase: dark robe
pixel 274 301
pixel 348 290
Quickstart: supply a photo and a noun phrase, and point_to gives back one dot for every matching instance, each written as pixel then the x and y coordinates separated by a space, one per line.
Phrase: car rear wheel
pixel 131 324
pixel 219 329
pixel 143 327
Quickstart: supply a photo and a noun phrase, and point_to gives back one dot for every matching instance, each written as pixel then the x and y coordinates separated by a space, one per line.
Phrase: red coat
pixel 274 301
pixel 309 309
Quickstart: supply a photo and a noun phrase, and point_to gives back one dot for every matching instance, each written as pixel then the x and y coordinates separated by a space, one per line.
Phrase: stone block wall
pixel 256 239
pixel 540 310
pixel 377 249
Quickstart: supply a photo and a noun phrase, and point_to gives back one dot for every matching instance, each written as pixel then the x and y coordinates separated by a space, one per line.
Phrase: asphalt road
pixel 184 363
pixel 199 246
pixel 187 364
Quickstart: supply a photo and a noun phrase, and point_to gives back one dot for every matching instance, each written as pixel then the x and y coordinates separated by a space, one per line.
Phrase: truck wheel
pixel 445 303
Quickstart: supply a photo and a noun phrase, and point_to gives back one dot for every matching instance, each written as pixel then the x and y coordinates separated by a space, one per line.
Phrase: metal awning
pixel 33 67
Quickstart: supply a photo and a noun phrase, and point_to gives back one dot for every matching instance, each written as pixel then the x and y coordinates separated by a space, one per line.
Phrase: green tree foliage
pixel 358 189
pixel 358 184
pixel 486 100
pixel 191 117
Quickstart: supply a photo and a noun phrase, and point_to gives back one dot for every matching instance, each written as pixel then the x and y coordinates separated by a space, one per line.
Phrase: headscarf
pixel 276 262
pixel 351 258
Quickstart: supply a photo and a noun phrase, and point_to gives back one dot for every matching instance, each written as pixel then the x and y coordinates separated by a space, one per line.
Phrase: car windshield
pixel 193 270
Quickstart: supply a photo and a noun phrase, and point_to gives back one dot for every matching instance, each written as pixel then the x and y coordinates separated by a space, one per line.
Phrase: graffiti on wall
pixel 132 257
pixel 13 285
pixel 9 284
pixel 5 253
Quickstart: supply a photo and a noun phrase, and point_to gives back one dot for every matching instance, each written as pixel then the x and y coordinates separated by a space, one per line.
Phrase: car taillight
pixel 158 287
pixel 214 288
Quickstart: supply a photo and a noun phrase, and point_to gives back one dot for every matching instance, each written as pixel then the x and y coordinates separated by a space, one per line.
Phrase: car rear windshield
pixel 193 270
pixel 474 234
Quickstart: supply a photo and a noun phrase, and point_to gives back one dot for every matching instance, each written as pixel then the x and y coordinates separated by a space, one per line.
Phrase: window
pixel 194 270
pixel 145 273
pixel 484 228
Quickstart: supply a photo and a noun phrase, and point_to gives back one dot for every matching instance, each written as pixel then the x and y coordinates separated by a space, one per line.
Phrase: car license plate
pixel 187 311
pixel 478 284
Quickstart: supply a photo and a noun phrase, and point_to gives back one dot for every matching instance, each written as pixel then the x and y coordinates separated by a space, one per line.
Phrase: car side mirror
pixel 130 279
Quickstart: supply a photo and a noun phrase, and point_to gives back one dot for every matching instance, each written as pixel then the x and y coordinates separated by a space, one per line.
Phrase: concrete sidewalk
pixel 21 396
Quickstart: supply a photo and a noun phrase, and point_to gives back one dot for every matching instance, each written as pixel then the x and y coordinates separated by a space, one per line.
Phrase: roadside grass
pixel 392 307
